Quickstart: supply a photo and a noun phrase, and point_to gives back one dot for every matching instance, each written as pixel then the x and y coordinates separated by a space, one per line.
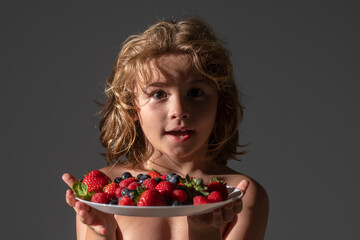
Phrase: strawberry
pixel 214 196
pixel 127 181
pixel 110 189
pixel 150 183
pixel 100 197
pixel 163 177
pixel 118 192
pixel 133 185
pixel 219 186
pixel 96 181
pixel 179 195
pixel 198 200
pixel 154 174
pixel 165 188
pixel 126 201
pixel 151 197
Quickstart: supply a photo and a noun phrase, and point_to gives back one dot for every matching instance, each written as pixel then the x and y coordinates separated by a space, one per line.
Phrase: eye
pixel 196 92
pixel 159 95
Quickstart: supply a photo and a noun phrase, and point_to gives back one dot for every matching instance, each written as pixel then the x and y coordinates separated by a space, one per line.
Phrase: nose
pixel 178 108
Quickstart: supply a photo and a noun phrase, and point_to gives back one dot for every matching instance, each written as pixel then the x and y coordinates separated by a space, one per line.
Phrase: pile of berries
pixel 151 189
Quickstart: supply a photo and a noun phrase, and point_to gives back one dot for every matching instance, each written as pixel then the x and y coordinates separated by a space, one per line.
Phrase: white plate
pixel 164 211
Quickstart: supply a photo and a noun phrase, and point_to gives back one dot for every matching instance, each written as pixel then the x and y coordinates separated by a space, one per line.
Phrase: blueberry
pixel 117 180
pixel 126 175
pixel 132 194
pixel 175 179
pixel 143 178
pixel 125 191
pixel 169 176
pixel 139 175
pixel 157 179
pixel 113 201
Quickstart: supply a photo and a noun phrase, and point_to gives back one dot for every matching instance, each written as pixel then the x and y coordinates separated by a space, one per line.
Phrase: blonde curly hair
pixel 121 134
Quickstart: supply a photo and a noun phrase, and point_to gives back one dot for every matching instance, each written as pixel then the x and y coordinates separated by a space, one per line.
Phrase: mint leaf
pixel 80 189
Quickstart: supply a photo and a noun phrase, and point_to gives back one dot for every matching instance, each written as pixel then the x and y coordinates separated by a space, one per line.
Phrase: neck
pixel 194 165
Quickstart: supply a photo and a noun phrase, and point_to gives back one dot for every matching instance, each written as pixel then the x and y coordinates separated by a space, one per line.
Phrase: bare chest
pixel 134 228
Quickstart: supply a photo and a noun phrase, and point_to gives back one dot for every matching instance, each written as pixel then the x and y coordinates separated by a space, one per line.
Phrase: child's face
pixel 177 107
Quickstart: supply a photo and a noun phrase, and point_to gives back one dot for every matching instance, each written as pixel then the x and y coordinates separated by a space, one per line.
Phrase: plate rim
pixel 202 209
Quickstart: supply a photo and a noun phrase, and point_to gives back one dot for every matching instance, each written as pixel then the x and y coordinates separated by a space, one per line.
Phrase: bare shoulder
pixel 252 220
pixel 114 171
pixel 255 194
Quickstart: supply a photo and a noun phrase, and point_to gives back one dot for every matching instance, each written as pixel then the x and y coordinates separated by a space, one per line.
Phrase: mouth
pixel 180 135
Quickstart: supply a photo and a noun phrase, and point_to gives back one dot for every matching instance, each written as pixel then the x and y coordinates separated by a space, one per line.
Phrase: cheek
pixel 149 114
pixel 208 109
pixel 206 117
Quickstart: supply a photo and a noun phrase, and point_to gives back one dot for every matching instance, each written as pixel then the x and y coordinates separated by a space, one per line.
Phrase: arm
pixel 252 219
pixel 90 223
pixel 208 226
pixel 251 210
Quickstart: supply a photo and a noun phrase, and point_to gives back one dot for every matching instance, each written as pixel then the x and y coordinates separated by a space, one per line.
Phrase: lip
pixel 180 134
pixel 179 129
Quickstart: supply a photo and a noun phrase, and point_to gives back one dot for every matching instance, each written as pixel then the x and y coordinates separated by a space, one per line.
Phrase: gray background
pixel 296 61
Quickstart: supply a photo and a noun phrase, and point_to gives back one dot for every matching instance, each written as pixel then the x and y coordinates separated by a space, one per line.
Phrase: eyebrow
pixel 155 84
pixel 161 84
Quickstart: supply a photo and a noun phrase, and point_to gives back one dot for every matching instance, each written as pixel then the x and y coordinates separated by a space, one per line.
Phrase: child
pixel 172 105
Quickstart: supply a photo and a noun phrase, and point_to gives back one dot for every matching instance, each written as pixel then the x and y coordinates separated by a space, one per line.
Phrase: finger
pixel 229 212
pixel 218 220
pixel 70 198
pixel 237 206
pixel 69 179
pixel 99 229
pixel 85 213
pixel 243 185
pixel 82 206
pixel 91 217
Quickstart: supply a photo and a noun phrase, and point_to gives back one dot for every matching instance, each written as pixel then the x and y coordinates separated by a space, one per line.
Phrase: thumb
pixel 243 185
pixel 69 179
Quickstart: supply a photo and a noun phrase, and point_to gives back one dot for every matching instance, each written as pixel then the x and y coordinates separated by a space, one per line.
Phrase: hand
pixel 101 223
pixel 217 218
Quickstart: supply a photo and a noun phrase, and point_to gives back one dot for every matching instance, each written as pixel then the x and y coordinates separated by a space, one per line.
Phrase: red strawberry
pixel 126 201
pixel 127 181
pixel 179 195
pixel 220 187
pixel 150 183
pixel 214 196
pixel 165 188
pixel 118 192
pixel 163 177
pixel 198 200
pixel 151 197
pixel 96 181
pixel 133 185
pixel 100 197
pixel 110 189
pixel 154 174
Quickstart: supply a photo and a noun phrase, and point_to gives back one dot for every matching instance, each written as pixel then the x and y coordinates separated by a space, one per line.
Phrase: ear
pixel 136 117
